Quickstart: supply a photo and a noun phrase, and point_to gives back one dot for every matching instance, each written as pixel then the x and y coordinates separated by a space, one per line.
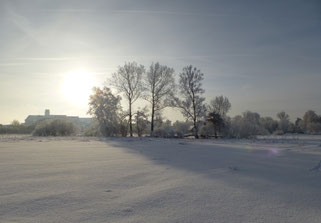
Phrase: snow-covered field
pixel 160 180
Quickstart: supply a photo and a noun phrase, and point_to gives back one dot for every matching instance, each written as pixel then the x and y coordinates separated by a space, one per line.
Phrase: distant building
pixel 81 122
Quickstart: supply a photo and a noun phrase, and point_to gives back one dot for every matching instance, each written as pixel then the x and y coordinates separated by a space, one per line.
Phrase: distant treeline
pixel 158 87
pixel 16 128
pixel 49 127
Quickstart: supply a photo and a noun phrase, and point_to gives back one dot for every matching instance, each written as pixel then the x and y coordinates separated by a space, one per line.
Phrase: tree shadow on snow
pixel 278 172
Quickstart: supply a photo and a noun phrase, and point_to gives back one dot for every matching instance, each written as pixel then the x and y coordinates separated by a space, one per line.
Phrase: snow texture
pixel 159 180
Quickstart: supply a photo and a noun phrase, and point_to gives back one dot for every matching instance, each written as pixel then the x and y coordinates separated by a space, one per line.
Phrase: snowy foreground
pixel 159 180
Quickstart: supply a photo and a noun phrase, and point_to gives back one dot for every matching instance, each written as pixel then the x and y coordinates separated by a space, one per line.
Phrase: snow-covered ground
pixel 160 180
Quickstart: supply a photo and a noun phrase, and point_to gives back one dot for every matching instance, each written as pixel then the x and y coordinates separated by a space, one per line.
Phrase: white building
pixel 81 122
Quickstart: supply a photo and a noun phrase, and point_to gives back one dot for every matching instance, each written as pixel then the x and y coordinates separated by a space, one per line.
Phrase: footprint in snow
pixel 234 168
pixel 317 167
pixel 127 210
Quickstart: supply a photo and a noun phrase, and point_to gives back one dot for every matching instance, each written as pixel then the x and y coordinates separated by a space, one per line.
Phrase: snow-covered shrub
pixel 246 126
pixel 93 131
pixel 54 127
pixel 313 128
pixel 141 122
pixel 182 128
pixel 207 129
pixel 299 126
pixel 123 128
pixel 278 132
pixel 165 130
pixel 269 124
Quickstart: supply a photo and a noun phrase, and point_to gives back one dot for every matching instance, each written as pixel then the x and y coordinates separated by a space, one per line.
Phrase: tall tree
pixel 283 116
pixel 158 84
pixel 220 105
pixel 190 100
pixel 128 80
pixel 106 109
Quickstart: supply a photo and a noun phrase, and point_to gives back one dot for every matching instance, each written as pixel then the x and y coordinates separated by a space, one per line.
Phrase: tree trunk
pixel 194 118
pixel 130 119
pixel 152 120
pixel 195 129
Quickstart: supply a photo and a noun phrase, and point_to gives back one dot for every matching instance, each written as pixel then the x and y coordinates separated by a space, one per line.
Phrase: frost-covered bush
pixel 141 122
pixel 94 131
pixel 54 127
pixel 119 129
pixel 246 126
pixel 165 130
pixel 298 126
pixel 269 124
pixel 207 129
pixel 123 128
pixel 313 128
pixel 179 129
pixel 278 132
pixel 182 128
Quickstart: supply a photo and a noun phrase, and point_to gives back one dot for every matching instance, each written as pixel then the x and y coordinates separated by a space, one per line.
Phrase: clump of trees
pixel 54 127
pixel 157 87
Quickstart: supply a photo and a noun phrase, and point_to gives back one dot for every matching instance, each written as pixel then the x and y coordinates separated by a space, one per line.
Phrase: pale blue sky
pixel 264 55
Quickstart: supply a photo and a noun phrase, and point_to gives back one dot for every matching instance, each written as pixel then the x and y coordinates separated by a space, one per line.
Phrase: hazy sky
pixel 265 56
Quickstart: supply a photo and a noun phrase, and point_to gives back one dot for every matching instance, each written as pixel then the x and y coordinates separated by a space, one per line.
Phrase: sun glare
pixel 77 86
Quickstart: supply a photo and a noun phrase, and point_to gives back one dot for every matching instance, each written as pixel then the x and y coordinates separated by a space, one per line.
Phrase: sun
pixel 77 86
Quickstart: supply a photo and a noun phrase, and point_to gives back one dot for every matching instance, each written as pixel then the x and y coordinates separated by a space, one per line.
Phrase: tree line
pixel 157 86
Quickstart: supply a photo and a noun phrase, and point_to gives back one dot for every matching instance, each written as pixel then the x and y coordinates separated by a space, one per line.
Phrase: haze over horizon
pixel 265 56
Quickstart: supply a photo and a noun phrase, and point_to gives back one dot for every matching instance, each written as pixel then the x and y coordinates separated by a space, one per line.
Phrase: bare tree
pixel 220 105
pixel 159 84
pixel 283 116
pixel 128 80
pixel 191 102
